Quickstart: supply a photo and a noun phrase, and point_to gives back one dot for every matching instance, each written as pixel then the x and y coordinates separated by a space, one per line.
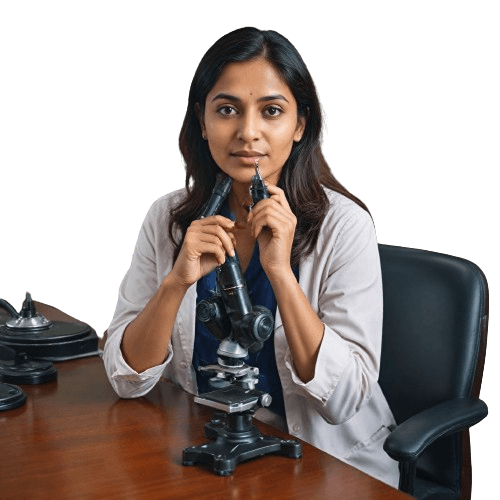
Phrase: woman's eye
pixel 273 111
pixel 226 110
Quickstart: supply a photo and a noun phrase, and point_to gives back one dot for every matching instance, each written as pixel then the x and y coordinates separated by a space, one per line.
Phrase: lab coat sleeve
pixel 350 305
pixel 138 286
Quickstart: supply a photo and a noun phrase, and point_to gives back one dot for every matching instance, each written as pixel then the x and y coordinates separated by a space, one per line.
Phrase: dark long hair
pixel 304 173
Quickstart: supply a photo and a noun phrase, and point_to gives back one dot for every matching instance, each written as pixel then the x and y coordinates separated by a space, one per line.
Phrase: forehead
pixel 251 78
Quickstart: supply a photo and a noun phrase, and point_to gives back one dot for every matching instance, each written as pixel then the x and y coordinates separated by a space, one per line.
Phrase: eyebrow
pixel 230 97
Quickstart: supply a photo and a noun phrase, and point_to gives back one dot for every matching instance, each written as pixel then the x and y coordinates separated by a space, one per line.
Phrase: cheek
pixel 218 133
pixel 215 151
pixel 283 138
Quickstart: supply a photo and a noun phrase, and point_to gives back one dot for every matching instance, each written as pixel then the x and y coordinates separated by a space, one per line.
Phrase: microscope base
pixel 235 441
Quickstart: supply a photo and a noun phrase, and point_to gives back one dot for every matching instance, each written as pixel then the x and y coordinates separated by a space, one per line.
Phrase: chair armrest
pixel 413 436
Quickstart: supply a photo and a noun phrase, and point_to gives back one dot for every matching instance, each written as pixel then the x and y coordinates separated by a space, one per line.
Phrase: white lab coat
pixel 342 410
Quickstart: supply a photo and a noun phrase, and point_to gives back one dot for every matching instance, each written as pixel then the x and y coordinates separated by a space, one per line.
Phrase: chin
pixel 241 178
pixel 243 175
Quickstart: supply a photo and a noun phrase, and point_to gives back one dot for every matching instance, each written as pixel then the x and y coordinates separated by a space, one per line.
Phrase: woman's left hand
pixel 273 224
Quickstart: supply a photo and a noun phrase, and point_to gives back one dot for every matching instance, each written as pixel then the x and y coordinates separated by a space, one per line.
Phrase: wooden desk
pixel 75 439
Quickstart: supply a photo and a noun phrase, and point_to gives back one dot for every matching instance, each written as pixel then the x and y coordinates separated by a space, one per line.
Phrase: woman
pixel 309 254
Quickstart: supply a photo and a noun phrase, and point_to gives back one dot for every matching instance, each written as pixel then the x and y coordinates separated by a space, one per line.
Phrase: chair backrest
pixel 433 345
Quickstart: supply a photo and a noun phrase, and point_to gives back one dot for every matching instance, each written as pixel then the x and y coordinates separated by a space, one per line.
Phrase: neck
pixel 239 200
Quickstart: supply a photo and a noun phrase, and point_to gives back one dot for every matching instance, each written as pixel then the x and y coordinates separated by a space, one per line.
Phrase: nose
pixel 249 127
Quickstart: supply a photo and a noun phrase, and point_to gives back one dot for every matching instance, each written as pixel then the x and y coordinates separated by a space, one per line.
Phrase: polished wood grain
pixel 75 439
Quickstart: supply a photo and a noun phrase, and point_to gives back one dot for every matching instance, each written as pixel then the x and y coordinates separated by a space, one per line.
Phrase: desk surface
pixel 74 438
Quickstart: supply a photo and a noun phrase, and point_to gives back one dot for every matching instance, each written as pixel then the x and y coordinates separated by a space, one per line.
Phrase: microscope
pixel 241 328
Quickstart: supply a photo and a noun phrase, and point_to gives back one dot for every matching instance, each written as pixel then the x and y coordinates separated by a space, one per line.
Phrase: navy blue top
pixel 205 345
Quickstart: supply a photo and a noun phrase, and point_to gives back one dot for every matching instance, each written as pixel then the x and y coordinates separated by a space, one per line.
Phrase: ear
pixel 197 110
pixel 299 130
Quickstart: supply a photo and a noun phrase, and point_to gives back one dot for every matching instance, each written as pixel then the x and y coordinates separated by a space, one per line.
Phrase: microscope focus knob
pixel 265 400
pixel 206 311
pixel 256 327
pixel 263 326
pixel 211 312
pixel 261 323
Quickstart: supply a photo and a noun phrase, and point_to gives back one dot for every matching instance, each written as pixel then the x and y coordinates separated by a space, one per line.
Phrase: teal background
pixel 93 93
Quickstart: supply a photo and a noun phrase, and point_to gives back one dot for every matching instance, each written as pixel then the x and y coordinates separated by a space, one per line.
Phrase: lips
pixel 249 161
pixel 248 157
pixel 248 154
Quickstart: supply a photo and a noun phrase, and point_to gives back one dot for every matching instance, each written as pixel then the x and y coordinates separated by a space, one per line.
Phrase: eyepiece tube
pixel 219 194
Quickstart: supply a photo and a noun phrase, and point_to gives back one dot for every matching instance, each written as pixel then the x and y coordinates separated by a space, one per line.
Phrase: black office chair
pixel 433 350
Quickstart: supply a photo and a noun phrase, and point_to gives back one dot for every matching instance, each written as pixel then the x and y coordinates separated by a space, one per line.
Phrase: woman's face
pixel 251 114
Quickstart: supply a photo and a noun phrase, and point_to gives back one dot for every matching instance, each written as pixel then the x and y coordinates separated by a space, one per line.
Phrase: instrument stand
pixel 30 333
pixel 11 396
pixel 234 437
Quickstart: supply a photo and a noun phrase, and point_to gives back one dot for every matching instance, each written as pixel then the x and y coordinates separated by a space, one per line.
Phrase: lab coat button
pixel 296 428
pixel 184 365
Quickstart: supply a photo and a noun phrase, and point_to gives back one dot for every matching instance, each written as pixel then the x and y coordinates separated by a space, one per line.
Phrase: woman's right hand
pixel 205 246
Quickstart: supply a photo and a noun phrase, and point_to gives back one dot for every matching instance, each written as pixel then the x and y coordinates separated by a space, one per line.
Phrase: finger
pixel 268 205
pixel 227 239
pixel 217 251
pixel 274 209
pixel 205 243
pixel 217 231
pixel 277 222
pixel 279 195
pixel 209 223
pixel 233 238
pixel 217 220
